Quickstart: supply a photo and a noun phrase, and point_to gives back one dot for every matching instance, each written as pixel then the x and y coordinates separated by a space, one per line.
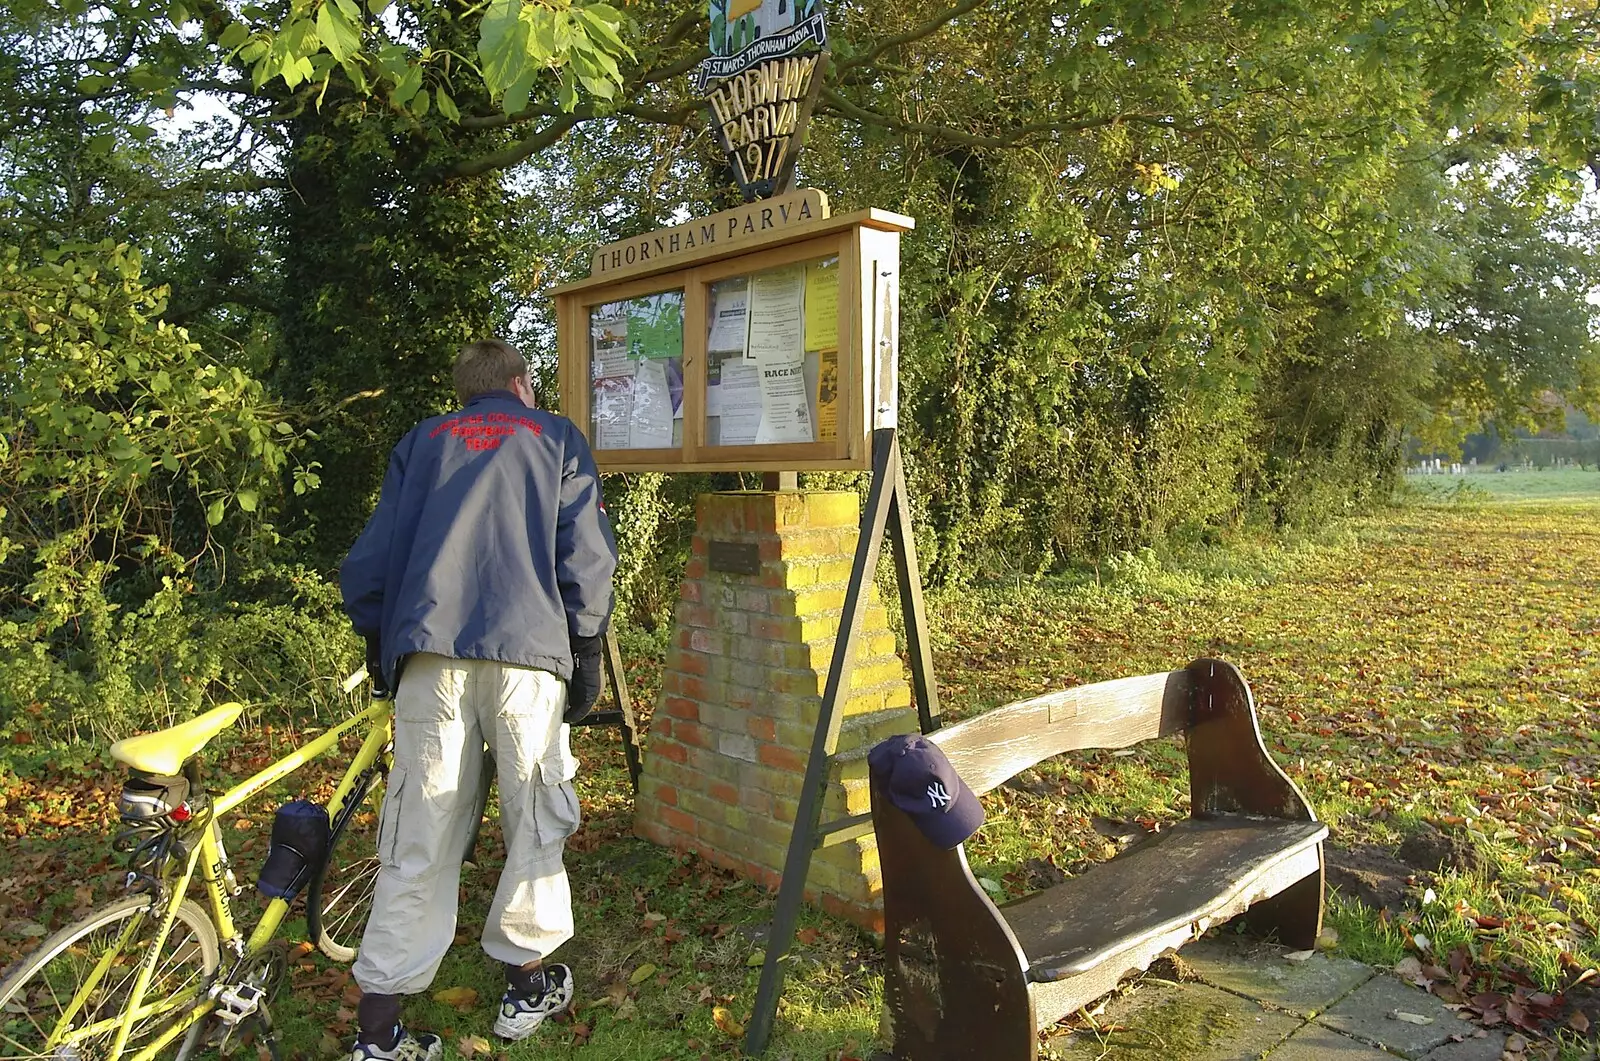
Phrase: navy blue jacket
pixel 490 541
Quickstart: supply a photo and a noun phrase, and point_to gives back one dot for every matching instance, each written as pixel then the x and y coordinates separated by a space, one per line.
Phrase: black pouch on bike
pixel 299 842
pixel 148 796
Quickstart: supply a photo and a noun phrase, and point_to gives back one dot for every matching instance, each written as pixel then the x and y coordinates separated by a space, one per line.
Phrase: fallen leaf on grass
pixel 614 996
pixel 806 936
pixel 330 1044
pixel 722 1017
pixel 461 999
pixel 755 959
pixel 468 1046
pixel 1578 1022
pixel 641 974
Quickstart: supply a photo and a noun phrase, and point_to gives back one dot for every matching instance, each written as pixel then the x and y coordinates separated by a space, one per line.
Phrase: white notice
pixel 785 405
pixel 613 402
pixel 611 359
pixel 730 325
pixel 739 403
pixel 652 407
pixel 777 318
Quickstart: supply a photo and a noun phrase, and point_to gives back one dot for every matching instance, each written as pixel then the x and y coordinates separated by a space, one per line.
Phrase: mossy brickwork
pixel 742 691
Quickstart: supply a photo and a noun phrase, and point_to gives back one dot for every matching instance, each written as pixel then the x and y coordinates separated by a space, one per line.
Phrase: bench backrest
pixel 1208 701
pixel 999 744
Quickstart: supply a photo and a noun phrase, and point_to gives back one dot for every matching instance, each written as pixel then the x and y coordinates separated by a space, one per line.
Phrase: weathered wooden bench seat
pixel 967 979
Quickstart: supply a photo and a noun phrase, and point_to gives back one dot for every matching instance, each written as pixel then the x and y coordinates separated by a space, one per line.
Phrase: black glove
pixel 380 685
pixel 583 689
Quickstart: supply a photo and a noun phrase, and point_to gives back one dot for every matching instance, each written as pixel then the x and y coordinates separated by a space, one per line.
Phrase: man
pixel 482 583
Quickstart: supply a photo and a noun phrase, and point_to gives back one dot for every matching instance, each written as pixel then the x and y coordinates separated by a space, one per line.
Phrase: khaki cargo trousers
pixel 445 711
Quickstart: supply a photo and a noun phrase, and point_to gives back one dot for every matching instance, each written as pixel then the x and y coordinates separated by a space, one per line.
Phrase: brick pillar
pixel 742 691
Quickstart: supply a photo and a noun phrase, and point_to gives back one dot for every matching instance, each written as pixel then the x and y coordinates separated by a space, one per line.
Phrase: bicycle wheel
pixel 339 897
pixel 52 1000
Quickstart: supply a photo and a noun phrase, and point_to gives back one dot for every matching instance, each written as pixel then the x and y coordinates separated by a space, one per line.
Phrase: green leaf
pixel 233 36
pixel 599 86
pixel 378 7
pixel 542 34
pixel 602 21
pixel 420 103
pixel 357 76
pixel 214 512
pixel 409 83
pixel 351 10
pixel 338 35
pixel 247 500
pixel 502 44
pixel 447 106
pixel 93 84
pixel 517 95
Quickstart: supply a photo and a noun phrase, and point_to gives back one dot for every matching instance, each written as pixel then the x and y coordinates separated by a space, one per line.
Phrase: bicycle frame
pixel 211 860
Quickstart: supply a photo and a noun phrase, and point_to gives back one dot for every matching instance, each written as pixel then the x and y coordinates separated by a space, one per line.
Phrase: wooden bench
pixel 964 978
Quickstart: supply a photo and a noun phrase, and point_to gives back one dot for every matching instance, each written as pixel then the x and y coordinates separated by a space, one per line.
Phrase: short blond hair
pixel 486 365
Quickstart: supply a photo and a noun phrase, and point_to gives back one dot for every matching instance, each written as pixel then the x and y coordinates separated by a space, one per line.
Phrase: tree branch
pixel 915 33
pixel 1009 139
pixel 656 116
pixel 517 152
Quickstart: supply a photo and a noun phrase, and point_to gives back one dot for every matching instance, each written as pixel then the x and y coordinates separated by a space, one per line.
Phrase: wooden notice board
pixel 763 338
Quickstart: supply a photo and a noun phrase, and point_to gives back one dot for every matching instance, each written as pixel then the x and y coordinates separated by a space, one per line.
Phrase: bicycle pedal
pixel 236 1002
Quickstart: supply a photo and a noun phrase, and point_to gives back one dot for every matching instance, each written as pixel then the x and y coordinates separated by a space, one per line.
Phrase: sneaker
pixel 411 1046
pixel 520 1015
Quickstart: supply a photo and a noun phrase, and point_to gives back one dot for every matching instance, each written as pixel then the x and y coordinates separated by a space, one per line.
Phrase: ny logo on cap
pixel 937 796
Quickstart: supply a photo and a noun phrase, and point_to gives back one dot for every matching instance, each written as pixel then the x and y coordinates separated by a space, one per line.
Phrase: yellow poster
pixel 822 305
pixel 828 394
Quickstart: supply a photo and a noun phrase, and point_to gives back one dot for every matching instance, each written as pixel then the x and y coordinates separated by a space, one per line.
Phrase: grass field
pixel 1432 668
pixel 1546 486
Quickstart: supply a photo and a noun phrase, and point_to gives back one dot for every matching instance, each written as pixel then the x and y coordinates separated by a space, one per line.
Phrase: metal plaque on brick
pixel 766 67
pixel 738 558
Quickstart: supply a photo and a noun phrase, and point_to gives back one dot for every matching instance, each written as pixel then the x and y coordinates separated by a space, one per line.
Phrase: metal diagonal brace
pixel 886 499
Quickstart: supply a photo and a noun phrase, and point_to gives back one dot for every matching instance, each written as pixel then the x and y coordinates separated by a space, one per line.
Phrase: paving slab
pixel 1365 1014
pixel 1488 1047
pixel 1179 1022
pixel 1313 1042
pixel 1260 971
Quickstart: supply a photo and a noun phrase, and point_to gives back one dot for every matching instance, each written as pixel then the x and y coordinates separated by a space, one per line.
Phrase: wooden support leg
pixel 1293 916
pixel 619 693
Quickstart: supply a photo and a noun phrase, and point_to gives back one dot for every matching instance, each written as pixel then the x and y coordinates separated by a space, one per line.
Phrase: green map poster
pixel 655 326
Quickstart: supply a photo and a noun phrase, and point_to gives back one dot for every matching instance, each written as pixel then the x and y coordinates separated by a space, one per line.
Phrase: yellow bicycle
pixel 133 977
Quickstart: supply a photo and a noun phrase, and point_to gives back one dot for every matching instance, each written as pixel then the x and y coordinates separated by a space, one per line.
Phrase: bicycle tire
pixel 339 897
pixel 24 989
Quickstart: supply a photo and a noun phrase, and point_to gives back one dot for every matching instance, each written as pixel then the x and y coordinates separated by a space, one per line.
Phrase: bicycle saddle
pixel 166 750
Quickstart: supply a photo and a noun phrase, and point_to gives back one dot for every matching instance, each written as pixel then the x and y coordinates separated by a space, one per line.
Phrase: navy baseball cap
pixel 919 780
